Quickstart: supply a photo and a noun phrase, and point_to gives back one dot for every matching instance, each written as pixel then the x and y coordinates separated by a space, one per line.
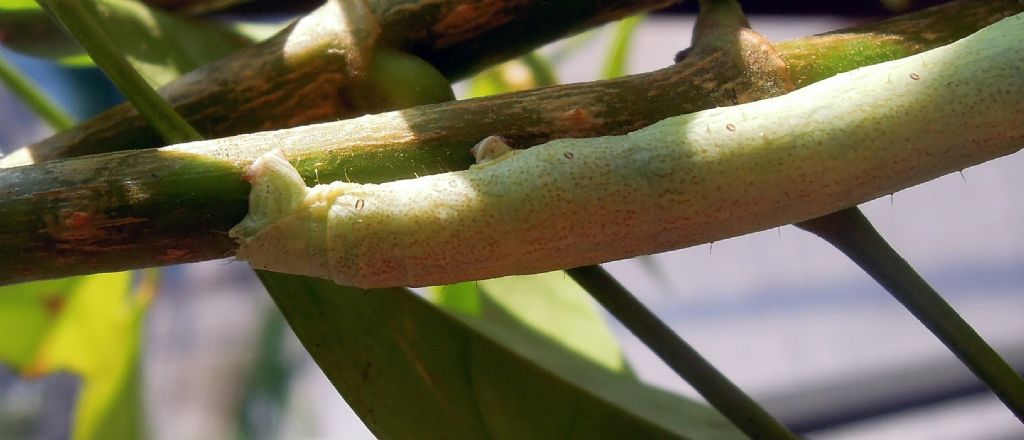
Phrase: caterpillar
pixel 683 181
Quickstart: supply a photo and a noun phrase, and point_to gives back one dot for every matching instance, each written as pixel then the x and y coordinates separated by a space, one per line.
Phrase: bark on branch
pixel 303 74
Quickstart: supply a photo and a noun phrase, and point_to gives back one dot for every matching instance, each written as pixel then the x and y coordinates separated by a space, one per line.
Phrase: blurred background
pixel 784 315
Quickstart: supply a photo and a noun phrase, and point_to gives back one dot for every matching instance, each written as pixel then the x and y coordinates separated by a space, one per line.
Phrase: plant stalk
pixel 34 97
pixel 719 391
pixel 850 232
pixel 79 19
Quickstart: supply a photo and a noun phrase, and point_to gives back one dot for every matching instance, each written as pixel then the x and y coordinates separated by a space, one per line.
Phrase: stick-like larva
pixel 683 181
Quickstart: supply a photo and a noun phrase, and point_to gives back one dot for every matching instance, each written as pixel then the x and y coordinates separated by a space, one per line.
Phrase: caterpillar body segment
pixel 683 181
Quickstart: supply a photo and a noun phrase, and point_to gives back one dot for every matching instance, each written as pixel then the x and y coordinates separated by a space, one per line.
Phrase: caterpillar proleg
pixel 683 181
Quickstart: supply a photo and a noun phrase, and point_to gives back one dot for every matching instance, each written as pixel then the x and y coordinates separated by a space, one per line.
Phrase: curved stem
pixel 719 391
pixel 850 232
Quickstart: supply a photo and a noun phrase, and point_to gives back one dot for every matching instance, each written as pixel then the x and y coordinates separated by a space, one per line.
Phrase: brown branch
pixel 301 75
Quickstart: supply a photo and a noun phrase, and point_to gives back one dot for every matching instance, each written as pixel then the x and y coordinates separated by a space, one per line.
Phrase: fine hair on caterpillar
pixel 685 180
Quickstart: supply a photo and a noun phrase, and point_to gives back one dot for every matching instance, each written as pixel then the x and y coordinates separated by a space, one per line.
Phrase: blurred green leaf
pixel 548 306
pixel 262 408
pixel 505 77
pixel 90 326
pixel 566 47
pixel 541 70
pixel 26 28
pixel 29 311
pixel 411 370
pixel 527 72
pixel 257 31
pixel 617 63
pixel 33 96
pixel 195 7
pixel 160 45
pixel 461 297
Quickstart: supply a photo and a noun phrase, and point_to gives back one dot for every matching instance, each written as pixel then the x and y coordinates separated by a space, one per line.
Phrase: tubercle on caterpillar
pixel 682 181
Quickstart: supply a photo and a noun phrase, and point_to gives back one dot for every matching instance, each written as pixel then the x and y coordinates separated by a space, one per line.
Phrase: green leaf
pixel 84 23
pixel 90 326
pixel 34 96
pixel 160 45
pixel 462 297
pixel 549 306
pixel 527 72
pixel 262 408
pixel 29 311
pixel 541 70
pixel 618 55
pixel 26 28
pixel 257 30
pixel 411 370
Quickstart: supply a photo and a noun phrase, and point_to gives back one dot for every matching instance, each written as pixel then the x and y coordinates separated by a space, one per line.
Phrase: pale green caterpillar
pixel 683 181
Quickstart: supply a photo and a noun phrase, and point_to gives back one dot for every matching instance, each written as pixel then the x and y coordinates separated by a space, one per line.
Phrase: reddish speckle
pixel 53 304
pixel 578 117
pixel 77 220
pixel 173 255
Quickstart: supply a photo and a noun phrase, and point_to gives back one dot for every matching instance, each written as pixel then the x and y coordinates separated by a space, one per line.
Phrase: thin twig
pixel 34 97
pixel 719 391
pixel 850 232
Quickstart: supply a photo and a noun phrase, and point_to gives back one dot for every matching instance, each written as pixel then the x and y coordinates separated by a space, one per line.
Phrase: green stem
pixel 79 18
pixel 850 232
pixel 721 393
pixel 719 17
pixel 34 97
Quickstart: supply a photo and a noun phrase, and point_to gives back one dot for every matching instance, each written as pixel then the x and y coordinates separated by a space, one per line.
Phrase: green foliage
pixel 92 326
pixel 412 371
pixel 89 326
pixel 527 72
pixel 262 408
pixel 549 309
pixel 160 45
pixel 34 97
